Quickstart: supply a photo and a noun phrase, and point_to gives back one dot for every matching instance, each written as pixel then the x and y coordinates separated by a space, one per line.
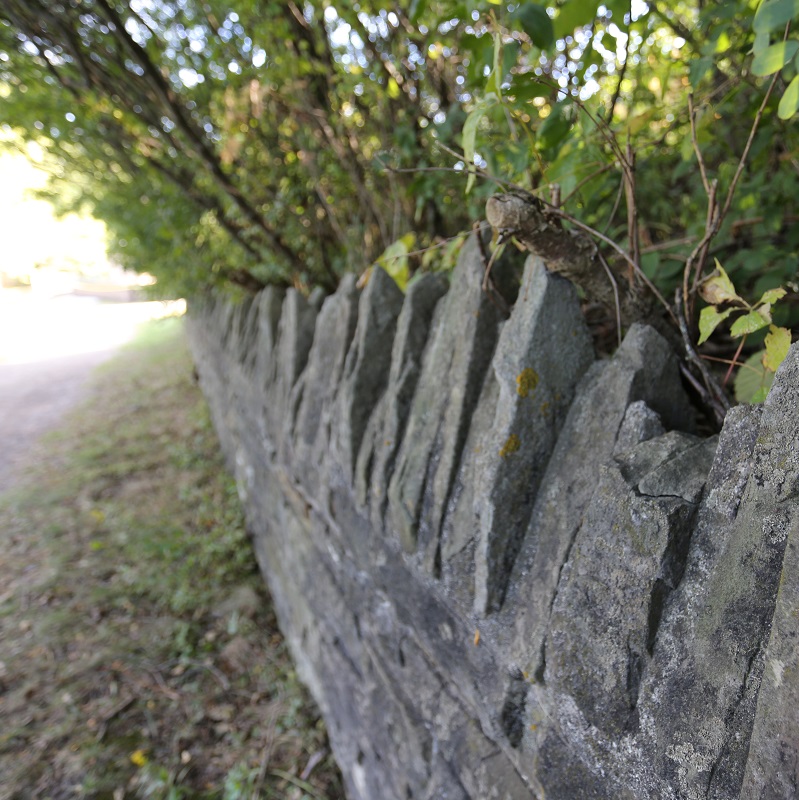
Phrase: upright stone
pixel 295 332
pixel 643 368
pixel 268 306
pixel 543 351
pixel 366 368
pixel 628 555
pixel 705 694
pixel 243 327
pixel 450 384
pixel 314 394
pixel 387 426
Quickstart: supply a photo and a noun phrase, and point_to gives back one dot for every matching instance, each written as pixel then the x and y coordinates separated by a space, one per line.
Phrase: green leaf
pixel 760 395
pixel 772 295
pixel 753 380
pixel 764 311
pixel 470 133
pixel 574 14
pixel 619 9
pixel 778 341
pixel 510 53
pixel 699 68
pixel 709 320
pixel 774 57
pixel 762 41
pixel 774 14
pixel 395 259
pixel 554 130
pixel 416 10
pixel 718 288
pixel 748 323
pixel 536 24
pixel 494 83
pixel 789 102
pixel 527 86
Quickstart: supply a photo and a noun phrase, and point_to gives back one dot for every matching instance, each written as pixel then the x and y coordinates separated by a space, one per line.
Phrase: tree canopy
pixel 287 143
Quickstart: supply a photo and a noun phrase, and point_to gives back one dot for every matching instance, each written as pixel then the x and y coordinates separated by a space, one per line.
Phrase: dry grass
pixel 140 654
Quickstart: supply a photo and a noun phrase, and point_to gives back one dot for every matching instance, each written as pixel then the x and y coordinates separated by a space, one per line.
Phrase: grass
pixel 140 653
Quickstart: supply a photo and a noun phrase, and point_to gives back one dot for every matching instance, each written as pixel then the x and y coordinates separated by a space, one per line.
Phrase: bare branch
pixel 695 141
pixel 626 256
pixel 622 72
pixel 584 181
pixel 712 394
pixel 716 217
pixel 632 208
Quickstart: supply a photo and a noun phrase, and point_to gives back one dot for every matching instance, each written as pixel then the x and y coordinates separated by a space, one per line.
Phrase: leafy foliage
pixel 287 143
pixel 284 131
pixel 757 373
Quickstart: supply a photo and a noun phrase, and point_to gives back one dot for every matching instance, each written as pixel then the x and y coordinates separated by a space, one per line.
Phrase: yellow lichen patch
pixel 526 381
pixel 511 446
pixel 476 638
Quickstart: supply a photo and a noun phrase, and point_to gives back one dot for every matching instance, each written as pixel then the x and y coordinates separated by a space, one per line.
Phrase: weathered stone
pixel 452 376
pixel 543 351
pixel 262 355
pixel 683 476
pixel 704 674
pixel 644 368
pixel 387 424
pixel 315 392
pixel 647 643
pixel 223 311
pixel 628 555
pixel 214 369
pixel 366 368
pixel 724 634
pixel 563 776
pixel 640 423
pixel 459 533
pixel 242 327
pixel 772 769
pixel 650 454
pixel 316 298
pixel 280 374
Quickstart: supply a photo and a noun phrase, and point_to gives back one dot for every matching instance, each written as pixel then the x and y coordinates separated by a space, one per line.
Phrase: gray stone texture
pixel 507 570
pixel 314 394
pixel 643 370
pixel 457 358
pixel 543 351
pixel 366 368
pixel 387 425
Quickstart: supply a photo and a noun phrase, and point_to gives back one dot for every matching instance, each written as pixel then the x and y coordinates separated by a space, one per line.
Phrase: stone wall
pixel 507 569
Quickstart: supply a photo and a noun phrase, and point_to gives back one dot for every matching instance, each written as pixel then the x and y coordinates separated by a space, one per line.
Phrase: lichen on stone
pixel 526 381
pixel 511 446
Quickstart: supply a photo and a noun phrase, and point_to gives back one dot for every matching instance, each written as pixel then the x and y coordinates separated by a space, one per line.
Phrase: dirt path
pixel 33 398
pixel 139 654
pixel 48 349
